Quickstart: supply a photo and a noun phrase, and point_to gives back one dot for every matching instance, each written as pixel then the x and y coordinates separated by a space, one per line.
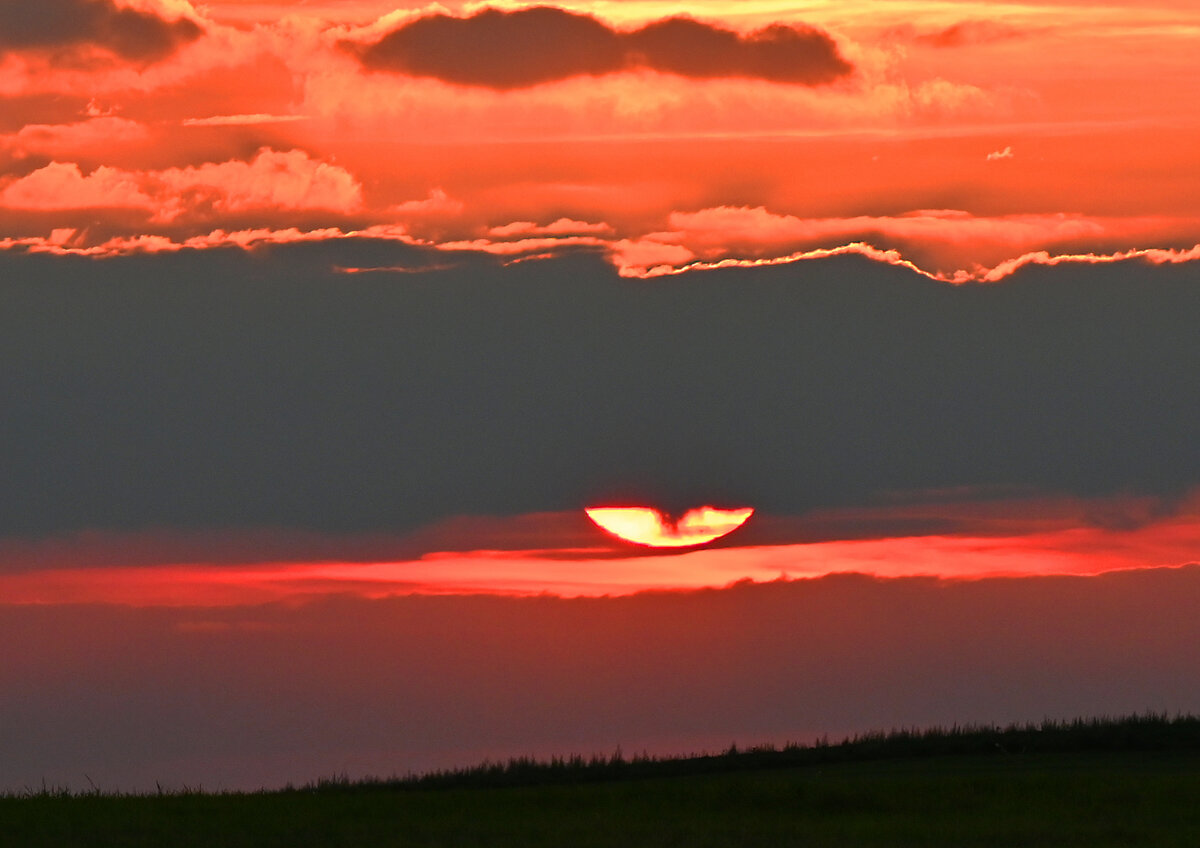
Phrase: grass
pixel 1103 783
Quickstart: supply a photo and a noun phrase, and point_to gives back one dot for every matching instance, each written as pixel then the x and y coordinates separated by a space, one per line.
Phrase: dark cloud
pixel 231 389
pixel 18 111
pixel 55 25
pixel 270 695
pixel 506 50
pixel 778 53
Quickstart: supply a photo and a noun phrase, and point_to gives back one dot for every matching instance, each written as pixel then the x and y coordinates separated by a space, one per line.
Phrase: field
pixel 1115 788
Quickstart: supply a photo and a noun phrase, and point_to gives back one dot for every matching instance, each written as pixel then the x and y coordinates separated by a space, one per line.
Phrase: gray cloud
pixel 526 47
pixel 64 24
pixel 223 389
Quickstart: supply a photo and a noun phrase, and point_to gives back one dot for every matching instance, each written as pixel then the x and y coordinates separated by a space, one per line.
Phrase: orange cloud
pixel 560 227
pixel 271 180
pixel 241 120
pixel 437 203
pixel 1153 256
pixel 62 185
pixel 949 240
pixel 630 104
pixel 501 49
pixel 657 254
pixel 636 257
pixel 82 137
pixel 68 240
pixel 721 228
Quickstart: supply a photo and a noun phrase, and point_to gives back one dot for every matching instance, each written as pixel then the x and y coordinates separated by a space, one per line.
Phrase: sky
pixel 323 323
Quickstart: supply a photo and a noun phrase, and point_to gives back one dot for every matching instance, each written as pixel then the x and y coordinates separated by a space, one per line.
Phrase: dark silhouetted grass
pixel 1123 782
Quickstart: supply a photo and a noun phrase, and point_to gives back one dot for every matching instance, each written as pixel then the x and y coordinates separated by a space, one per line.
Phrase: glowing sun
pixel 646 526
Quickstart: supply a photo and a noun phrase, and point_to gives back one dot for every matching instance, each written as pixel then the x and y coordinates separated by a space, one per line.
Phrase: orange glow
pixel 559 554
pixel 647 526
pixel 583 572
pixel 958 167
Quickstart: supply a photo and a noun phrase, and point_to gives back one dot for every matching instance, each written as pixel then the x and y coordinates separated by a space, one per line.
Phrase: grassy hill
pixel 1132 781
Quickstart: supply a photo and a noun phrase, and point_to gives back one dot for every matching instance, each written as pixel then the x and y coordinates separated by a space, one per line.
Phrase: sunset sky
pixel 323 322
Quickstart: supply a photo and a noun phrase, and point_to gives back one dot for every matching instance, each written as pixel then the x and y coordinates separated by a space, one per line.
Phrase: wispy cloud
pixel 241 120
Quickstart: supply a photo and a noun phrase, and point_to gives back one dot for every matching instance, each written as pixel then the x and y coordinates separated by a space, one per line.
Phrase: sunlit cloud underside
pixel 588 572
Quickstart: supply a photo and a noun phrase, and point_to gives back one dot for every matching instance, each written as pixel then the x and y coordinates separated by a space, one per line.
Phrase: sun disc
pixel 647 526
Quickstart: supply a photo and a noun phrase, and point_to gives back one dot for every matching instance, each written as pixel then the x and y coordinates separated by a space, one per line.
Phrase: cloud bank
pixel 227 388
pixel 509 50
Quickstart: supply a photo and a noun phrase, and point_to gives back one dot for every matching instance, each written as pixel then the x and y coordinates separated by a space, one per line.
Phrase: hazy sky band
pixel 274 694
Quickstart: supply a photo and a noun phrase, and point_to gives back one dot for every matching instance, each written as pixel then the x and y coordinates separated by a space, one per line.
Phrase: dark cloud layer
pixel 252 697
pixel 65 24
pixel 228 389
pixel 506 50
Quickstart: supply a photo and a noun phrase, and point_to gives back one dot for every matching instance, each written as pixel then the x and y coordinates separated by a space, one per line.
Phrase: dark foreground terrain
pixel 1129 782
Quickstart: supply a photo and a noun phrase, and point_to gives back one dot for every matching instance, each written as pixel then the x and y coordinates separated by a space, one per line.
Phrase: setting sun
pixel 648 526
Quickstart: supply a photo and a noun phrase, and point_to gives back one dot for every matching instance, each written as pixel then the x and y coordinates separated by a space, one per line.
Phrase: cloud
pixel 387 402
pixel 74 138
pixel 271 180
pixel 967 33
pixel 952 244
pixel 502 50
pixel 62 185
pixel 724 227
pixel 646 255
pixel 68 25
pixel 438 203
pixel 559 227
pixel 241 120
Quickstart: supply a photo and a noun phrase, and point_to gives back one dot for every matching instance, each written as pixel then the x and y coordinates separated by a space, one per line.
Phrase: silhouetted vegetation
pixel 1147 732
pixel 1094 783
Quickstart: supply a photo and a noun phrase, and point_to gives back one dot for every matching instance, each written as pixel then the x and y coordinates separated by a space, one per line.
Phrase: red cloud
pixel 527 47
